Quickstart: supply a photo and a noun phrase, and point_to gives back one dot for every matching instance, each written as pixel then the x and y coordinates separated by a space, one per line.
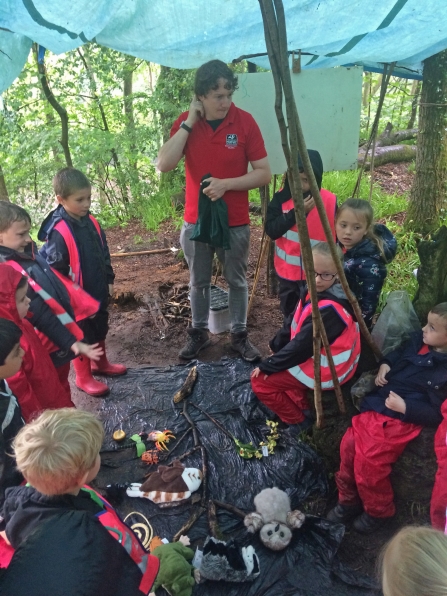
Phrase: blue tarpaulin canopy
pixel 186 33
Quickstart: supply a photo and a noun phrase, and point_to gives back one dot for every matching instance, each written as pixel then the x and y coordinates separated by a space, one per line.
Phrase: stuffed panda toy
pixel 274 518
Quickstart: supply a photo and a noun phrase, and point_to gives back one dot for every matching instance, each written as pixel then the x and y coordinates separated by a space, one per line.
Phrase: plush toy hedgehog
pixel 227 561
pixel 273 518
pixel 168 484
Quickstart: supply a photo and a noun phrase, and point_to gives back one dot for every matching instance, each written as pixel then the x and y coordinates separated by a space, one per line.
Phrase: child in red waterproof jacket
pixel 280 225
pixel 411 387
pixel 58 455
pixel 36 385
pixel 76 246
pixel 282 380
pixel 438 503
pixel 52 312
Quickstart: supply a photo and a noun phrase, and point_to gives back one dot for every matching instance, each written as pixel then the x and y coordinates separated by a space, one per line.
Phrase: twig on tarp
pixel 215 530
pixel 231 508
pixel 197 512
pixel 195 434
pixel 187 387
pixel 214 421
pixel 180 440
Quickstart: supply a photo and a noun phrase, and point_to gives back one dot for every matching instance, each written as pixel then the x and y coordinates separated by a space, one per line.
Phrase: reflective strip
pixel 292 236
pixel 44 294
pixel 298 373
pixel 143 564
pixel 71 275
pixel 290 259
pixel 11 407
pixel 65 318
pixel 294 325
pixel 339 358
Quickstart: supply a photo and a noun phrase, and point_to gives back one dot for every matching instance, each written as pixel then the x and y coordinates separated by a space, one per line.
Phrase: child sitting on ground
pixel 368 248
pixel 11 421
pixel 282 380
pixel 280 225
pixel 76 246
pixel 438 502
pixel 58 454
pixel 414 563
pixel 51 312
pixel 411 387
pixel 36 385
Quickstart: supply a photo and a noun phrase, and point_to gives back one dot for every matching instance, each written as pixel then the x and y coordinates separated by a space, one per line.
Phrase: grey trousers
pixel 199 257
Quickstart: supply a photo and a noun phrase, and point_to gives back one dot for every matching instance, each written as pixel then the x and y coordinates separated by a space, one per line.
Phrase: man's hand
pixel 216 188
pixel 93 352
pixel 257 372
pixel 380 378
pixel 196 111
pixel 309 204
pixel 396 403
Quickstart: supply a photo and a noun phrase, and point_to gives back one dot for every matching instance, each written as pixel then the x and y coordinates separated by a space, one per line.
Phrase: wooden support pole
pixel 156 251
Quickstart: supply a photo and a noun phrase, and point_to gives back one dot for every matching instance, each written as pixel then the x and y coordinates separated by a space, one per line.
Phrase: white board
pixel 329 105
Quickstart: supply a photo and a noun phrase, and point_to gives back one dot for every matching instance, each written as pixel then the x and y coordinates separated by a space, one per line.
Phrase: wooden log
pixel 388 154
pixel 187 386
pixel 156 251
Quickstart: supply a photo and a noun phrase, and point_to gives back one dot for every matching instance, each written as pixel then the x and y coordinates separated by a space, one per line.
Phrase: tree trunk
pixel 415 92
pixel 432 274
pixel 63 115
pixel 130 120
pixel 428 192
pixel 4 196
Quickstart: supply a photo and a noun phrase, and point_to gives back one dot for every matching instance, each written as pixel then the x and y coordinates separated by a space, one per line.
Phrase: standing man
pixel 217 138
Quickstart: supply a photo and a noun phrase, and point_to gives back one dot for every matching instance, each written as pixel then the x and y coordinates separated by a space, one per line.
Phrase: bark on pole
pixel 4 196
pixel 427 196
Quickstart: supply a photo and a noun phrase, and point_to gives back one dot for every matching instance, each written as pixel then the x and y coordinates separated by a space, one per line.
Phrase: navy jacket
pixel 419 379
pixel 40 314
pixel 365 270
pixel 97 272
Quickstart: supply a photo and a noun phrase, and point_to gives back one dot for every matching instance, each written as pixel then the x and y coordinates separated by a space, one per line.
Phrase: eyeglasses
pixel 325 276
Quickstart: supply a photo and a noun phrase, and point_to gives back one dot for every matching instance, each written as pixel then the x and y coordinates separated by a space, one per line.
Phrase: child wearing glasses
pixel 282 380
pixel 368 247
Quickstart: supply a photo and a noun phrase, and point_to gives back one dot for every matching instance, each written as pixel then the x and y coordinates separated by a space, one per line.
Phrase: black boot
pixel 198 340
pixel 342 514
pixel 240 343
pixel 367 524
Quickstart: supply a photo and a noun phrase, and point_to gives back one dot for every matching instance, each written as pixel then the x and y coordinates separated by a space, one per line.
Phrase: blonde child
pixel 58 454
pixel 414 563
pixel 368 247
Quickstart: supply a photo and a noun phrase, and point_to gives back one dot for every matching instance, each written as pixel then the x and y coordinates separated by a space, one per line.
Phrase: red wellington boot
pixel 103 366
pixel 84 379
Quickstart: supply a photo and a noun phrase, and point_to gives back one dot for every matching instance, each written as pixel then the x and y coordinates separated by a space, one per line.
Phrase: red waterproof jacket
pixel 36 385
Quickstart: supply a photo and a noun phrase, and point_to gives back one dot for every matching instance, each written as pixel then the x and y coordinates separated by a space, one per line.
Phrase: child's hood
pixel 9 280
pixel 49 222
pixel 368 248
pixel 317 165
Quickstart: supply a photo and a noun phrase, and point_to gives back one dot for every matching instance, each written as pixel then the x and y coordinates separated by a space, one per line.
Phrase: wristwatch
pixel 185 127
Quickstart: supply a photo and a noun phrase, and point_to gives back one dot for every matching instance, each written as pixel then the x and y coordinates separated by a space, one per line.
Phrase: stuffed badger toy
pixel 274 518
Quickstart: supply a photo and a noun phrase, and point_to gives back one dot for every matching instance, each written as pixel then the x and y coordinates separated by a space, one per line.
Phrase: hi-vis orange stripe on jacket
pixel 345 349
pixel 287 258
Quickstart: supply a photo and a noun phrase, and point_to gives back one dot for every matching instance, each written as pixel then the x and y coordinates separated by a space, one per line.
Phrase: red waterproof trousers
pixel 438 504
pixel 283 394
pixel 367 450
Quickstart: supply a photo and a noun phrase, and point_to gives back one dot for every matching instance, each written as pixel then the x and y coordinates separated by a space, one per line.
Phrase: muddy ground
pixel 137 338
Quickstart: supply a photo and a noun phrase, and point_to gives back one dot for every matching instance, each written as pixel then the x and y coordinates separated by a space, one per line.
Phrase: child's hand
pixel 3 535
pixel 380 379
pixel 93 352
pixel 257 372
pixel 309 204
pixel 396 403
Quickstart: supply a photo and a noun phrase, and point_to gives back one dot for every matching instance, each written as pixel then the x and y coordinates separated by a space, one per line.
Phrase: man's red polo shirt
pixel 223 153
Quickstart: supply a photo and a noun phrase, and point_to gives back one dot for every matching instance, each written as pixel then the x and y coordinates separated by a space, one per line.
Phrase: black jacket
pixel 365 270
pixel 419 379
pixel 94 255
pixel 10 423
pixel 40 314
pixel 289 353
pixel 62 549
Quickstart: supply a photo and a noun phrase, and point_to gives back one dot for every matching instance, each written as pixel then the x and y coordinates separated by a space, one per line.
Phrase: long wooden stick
pixel 265 243
pixel 140 252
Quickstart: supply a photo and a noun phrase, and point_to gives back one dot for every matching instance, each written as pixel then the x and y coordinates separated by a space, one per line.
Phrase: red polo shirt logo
pixel 231 142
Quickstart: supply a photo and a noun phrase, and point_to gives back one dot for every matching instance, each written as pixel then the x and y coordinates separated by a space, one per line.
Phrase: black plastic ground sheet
pixel 142 401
